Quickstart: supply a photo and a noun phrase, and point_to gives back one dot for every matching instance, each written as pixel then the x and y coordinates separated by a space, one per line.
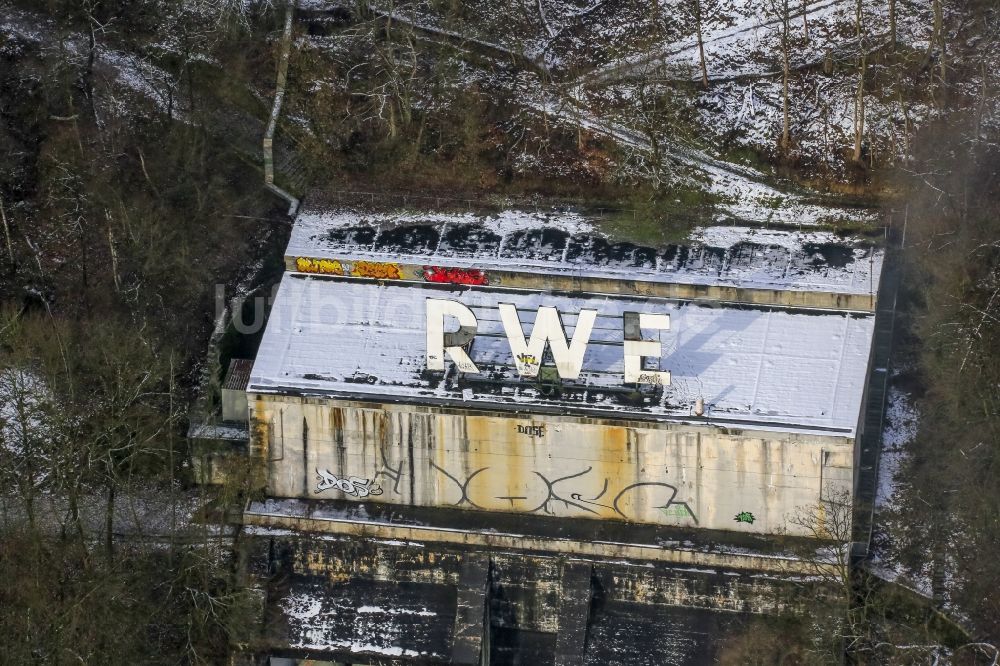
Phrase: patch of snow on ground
pixel 898 432
pixel 743 193
pixel 901 420
pixel 727 236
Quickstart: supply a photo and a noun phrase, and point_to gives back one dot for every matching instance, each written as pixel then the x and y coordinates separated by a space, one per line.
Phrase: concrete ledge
pixel 756 562
pixel 659 286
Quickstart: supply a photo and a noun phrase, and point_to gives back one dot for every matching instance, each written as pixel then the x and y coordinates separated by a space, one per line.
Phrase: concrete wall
pixel 626 614
pixel 234 405
pixel 337 560
pixel 660 473
pixel 596 285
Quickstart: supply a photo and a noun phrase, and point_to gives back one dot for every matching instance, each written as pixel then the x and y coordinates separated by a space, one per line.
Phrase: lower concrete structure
pixel 382 601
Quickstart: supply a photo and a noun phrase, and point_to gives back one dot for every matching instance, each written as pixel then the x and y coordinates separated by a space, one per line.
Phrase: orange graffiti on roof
pixel 376 269
pixel 324 266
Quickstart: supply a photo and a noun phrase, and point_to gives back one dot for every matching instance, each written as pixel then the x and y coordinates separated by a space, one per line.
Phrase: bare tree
pixel 233 12
pixel 25 438
pixel 892 25
pixel 651 121
pixel 859 97
pixel 936 30
pixel 829 523
pixel 390 78
pixel 781 10
pixel 698 19
pixel 698 13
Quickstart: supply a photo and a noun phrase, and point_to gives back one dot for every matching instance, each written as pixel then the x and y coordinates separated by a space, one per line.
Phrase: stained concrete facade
pixel 680 474
pixel 419 515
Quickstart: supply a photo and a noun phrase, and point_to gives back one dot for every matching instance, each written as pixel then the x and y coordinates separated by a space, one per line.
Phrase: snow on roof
pixel 570 244
pixel 756 367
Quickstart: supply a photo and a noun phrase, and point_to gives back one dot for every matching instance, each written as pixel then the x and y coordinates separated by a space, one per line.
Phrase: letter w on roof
pixel 548 330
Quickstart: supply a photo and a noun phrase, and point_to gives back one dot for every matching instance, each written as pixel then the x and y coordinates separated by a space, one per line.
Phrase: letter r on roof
pixel 451 343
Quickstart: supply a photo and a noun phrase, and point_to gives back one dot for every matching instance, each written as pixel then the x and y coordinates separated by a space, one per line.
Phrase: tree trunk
pixel 980 111
pixel 114 255
pixel 859 110
pixel 938 23
pixel 786 130
pixel 88 75
pixel 109 523
pixel 701 45
pixel 190 83
pixel 943 70
pixel 419 139
pixel 906 115
pixel 74 515
pixel 859 98
pixel 805 18
pixel 892 25
pixel 84 259
pixel 6 232
pixel 935 31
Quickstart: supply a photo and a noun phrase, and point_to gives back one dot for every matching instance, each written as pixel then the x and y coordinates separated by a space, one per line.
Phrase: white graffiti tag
pixel 352 485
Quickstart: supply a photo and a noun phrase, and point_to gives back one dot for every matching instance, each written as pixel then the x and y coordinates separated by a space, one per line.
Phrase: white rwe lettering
pixel 548 329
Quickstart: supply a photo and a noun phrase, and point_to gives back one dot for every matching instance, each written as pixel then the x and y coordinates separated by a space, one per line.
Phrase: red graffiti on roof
pixel 472 276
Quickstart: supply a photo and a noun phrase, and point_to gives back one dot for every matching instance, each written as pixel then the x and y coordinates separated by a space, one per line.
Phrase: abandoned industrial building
pixel 513 438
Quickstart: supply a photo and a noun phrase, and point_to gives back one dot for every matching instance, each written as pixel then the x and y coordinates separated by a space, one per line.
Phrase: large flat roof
pixel 765 367
pixel 575 245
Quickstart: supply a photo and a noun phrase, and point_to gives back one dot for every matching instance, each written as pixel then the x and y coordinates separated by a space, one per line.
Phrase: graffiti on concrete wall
pixel 322 266
pixel 463 486
pixel 553 496
pixel 390 270
pixel 745 517
pixel 493 488
pixel 387 471
pixel 678 510
pixel 444 275
pixel 380 270
pixel 351 485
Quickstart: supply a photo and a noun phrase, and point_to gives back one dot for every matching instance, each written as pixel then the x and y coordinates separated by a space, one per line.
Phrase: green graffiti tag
pixel 745 517
pixel 679 510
